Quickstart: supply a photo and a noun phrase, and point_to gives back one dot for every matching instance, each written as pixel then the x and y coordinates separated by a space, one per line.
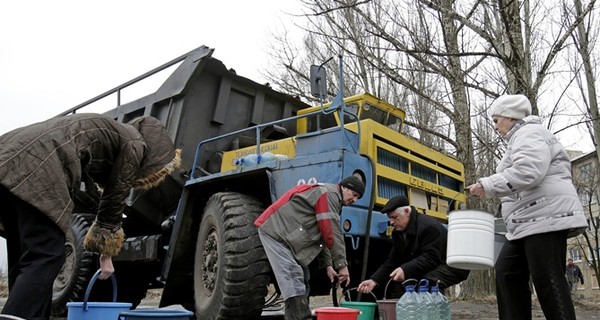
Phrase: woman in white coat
pixel 541 210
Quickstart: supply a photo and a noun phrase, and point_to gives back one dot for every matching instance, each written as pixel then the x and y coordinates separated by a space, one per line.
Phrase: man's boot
pixel 297 308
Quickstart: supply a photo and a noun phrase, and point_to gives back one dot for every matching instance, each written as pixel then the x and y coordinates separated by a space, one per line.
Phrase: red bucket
pixel 336 313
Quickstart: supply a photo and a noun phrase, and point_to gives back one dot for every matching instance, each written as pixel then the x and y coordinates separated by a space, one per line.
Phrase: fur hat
pixel 161 157
pixel 514 106
pixel 355 184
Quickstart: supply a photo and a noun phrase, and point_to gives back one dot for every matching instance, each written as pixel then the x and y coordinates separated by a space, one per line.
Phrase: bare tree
pixel 587 181
pixel 583 42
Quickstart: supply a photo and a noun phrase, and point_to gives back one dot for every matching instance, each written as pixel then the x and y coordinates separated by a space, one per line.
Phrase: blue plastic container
pixel 156 314
pixel 96 310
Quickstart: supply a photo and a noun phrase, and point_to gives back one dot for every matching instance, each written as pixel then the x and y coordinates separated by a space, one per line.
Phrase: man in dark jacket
pixel 574 275
pixel 42 166
pixel 302 224
pixel 418 250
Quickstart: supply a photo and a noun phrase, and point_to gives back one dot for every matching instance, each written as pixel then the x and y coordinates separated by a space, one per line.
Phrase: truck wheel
pixel 231 270
pixel 79 267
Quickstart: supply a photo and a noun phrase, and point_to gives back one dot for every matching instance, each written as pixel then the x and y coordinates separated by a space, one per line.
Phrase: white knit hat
pixel 515 106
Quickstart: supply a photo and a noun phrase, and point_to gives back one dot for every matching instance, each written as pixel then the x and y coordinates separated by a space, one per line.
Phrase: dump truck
pixel 194 237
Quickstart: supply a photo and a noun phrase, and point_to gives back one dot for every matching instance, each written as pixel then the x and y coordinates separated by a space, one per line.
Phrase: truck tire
pixel 79 267
pixel 231 270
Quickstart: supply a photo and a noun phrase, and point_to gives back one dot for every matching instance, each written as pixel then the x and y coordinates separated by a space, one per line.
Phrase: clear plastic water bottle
pixel 407 307
pixel 281 157
pixel 254 159
pixel 248 160
pixel 428 309
pixel 239 162
pixel 267 157
pixel 442 304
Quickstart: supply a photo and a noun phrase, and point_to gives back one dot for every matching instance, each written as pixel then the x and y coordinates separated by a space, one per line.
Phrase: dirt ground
pixel 487 309
pixel 481 309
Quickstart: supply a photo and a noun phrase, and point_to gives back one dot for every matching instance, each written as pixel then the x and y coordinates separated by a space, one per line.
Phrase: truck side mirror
pixel 318 81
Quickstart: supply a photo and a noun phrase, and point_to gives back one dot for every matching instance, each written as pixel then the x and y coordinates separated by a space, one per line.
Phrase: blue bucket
pixel 96 310
pixel 156 314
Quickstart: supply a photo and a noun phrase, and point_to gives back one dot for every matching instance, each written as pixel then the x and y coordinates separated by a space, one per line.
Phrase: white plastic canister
pixel 470 240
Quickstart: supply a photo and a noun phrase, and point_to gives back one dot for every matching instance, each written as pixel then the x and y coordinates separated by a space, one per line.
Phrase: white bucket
pixel 470 240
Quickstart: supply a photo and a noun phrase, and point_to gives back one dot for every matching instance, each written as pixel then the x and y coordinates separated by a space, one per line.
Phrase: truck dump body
pixel 203 99
pixel 199 100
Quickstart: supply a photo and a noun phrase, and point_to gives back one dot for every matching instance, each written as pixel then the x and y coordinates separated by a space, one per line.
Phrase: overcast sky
pixel 57 54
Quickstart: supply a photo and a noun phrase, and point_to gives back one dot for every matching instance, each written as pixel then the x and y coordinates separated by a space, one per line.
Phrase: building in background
pixel 586 173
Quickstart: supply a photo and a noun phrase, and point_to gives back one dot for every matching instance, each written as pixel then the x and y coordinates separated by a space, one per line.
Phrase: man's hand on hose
pixel 344 275
pixel 341 275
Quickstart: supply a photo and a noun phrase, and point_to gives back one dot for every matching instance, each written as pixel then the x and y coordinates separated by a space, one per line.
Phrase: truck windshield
pixel 369 111
pixel 394 123
pixel 372 112
pixel 364 110
pixel 351 108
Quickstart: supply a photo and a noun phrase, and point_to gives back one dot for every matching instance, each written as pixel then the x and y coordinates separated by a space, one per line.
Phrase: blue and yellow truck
pixel 194 237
